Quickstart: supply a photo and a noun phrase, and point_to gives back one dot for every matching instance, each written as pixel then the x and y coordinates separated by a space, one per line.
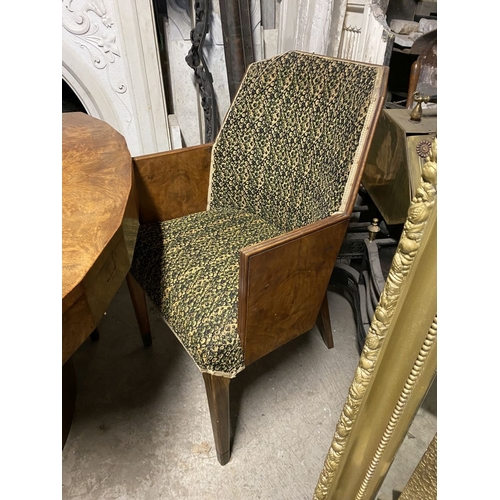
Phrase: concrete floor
pixel 142 430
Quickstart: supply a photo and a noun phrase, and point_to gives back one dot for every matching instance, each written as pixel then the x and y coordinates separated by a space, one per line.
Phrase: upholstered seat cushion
pixel 189 268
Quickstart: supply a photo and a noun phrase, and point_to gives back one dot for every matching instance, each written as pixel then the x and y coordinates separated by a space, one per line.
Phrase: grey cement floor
pixel 142 430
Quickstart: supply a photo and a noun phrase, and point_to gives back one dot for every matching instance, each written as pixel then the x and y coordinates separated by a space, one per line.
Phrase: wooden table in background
pixel 99 227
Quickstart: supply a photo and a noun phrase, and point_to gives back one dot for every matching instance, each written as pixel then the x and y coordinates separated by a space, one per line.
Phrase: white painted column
pixel 310 25
pixel 257 35
pixel 365 33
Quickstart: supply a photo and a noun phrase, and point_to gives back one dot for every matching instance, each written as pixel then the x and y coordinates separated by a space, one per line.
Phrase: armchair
pixel 238 240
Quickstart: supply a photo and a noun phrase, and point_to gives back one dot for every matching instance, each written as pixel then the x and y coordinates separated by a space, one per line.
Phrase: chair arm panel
pixel 283 282
pixel 173 183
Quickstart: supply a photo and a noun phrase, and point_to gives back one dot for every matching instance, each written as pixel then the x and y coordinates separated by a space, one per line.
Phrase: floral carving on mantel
pixel 82 19
pixel 90 35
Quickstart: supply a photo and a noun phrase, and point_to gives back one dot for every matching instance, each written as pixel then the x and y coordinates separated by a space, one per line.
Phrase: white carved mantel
pixel 110 60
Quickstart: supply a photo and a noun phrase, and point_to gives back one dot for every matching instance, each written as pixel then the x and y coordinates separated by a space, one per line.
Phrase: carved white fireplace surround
pixel 111 61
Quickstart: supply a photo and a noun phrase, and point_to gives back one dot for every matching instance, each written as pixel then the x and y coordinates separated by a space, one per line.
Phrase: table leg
pixel 95 335
pixel 68 397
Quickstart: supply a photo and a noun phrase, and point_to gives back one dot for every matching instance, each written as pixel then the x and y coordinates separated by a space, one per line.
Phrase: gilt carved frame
pixel 398 362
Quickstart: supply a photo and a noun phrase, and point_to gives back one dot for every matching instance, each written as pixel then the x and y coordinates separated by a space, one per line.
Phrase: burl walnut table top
pixel 96 183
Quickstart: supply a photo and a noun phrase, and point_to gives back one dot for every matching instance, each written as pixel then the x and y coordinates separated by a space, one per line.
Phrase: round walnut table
pixel 99 228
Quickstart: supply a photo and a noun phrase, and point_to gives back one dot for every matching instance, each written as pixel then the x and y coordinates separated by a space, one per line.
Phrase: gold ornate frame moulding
pixel 398 361
pixel 423 482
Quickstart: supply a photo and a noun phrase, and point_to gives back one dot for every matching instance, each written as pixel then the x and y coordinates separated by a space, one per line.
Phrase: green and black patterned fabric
pixel 281 160
pixel 287 146
pixel 189 267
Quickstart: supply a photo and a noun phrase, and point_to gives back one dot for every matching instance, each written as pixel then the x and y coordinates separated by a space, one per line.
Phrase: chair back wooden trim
pixel 172 184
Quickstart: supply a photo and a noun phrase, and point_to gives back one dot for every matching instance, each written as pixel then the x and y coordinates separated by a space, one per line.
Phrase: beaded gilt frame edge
pixel 420 209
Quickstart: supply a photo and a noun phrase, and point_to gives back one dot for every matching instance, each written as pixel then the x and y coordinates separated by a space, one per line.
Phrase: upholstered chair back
pixel 293 131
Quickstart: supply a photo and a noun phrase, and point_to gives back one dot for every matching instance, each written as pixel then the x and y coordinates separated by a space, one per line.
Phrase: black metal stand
pixel 363 264
pixel 202 75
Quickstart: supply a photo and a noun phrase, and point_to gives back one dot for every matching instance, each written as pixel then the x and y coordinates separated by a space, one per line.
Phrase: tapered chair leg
pixel 323 322
pixel 138 298
pixel 218 402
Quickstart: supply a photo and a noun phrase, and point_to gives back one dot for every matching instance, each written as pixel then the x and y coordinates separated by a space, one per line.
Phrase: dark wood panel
pixel 282 286
pixel 138 297
pixel 173 183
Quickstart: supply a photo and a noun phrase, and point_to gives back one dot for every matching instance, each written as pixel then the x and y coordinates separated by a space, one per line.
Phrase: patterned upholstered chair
pixel 238 239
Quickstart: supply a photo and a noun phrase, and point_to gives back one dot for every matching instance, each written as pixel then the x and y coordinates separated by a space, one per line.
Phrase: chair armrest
pixel 282 284
pixel 173 183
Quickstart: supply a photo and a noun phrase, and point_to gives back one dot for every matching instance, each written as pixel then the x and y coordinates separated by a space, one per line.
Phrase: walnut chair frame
pixel 283 279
